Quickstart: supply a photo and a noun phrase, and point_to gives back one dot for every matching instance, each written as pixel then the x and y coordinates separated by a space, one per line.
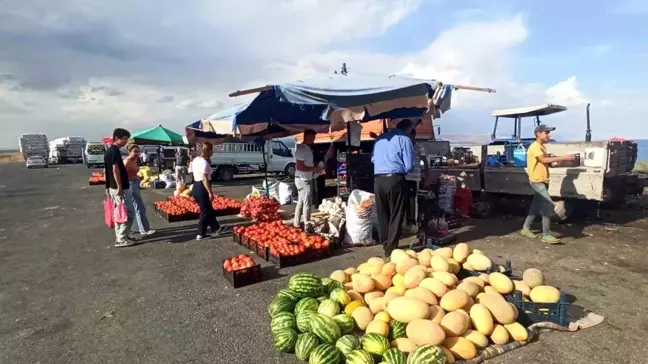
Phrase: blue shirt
pixel 393 153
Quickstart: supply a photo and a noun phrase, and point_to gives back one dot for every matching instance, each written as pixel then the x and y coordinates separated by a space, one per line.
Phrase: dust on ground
pixel 68 296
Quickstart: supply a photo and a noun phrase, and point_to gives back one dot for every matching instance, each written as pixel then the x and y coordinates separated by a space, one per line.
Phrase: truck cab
pixel 234 158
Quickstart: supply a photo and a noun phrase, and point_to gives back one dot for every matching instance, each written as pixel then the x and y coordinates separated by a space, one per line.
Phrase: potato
pixel 362 283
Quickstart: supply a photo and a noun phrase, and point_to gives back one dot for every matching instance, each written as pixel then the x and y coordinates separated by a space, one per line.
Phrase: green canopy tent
pixel 158 135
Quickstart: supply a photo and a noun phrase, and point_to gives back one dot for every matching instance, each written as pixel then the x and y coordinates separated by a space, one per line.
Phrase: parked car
pixel 36 161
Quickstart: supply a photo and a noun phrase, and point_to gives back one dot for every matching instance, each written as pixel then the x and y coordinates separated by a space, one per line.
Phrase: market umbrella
pixel 157 135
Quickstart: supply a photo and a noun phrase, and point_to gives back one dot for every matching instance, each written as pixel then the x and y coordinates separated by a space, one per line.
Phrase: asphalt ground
pixel 68 296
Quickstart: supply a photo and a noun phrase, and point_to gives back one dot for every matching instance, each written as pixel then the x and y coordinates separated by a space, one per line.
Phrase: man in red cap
pixel 538 169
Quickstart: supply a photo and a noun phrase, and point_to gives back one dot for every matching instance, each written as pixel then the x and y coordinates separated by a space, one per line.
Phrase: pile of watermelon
pixel 312 318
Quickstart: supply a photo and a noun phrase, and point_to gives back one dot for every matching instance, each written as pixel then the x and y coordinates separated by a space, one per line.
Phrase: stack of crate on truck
pixel 230 159
pixel 602 173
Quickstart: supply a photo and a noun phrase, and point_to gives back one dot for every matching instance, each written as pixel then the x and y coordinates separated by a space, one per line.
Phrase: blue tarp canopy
pixel 325 104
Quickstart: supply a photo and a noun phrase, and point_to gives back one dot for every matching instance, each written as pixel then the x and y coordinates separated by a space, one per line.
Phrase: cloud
pixel 85 67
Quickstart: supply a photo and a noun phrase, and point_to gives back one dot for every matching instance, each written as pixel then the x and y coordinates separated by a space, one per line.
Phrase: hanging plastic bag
pixel 121 215
pixel 360 218
pixel 109 211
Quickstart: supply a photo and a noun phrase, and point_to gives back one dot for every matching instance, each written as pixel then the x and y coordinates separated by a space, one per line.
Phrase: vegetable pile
pixel 412 309
pixel 97 178
pixel 281 239
pixel 178 205
pixel 261 208
pixel 239 262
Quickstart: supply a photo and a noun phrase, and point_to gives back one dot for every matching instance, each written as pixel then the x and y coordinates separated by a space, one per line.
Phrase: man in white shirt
pixel 304 168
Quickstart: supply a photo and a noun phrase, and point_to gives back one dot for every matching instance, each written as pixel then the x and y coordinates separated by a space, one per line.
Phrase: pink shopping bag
pixel 109 211
pixel 121 215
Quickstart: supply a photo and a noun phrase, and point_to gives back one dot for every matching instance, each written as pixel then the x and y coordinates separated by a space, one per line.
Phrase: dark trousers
pixel 207 213
pixel 391 192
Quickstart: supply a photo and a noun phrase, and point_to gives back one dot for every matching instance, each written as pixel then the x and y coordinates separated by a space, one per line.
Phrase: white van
pixel 94 154
pixel 230 159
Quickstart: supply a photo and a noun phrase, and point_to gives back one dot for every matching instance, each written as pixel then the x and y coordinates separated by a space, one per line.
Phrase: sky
pixel 84 67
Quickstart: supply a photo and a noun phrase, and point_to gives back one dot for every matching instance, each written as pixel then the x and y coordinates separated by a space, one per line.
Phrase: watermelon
pixel 306 342
pixel 306 304
pixel 303 321
pixel 325 329
pixel 306 285
pixel 329 308
pixel 283 320
pixel 375 343
pixel 345 322
pixel 325 354
pixel 288 294
pixel 347 344
pixel 427 354
pixel 393 356
pixel 397 329
pixel 285 340
pixel 359 357
pixel 340 296
pixel 281 304
pixel 331 285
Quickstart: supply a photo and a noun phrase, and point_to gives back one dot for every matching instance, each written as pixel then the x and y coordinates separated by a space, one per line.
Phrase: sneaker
pixel 528 233
pixel 124 243
pixel 551 239
pixel 202 237
pixel 147 233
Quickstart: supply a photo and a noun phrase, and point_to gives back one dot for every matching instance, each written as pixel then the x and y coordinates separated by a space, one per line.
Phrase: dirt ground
pixel 68 296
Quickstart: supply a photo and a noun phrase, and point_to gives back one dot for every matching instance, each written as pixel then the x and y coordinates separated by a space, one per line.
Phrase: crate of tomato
pixel 170 211
pixel 282 244
pixel 242 270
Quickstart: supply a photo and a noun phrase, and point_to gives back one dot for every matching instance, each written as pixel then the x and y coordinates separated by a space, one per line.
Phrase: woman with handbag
pixel 202 192
pixel 132 170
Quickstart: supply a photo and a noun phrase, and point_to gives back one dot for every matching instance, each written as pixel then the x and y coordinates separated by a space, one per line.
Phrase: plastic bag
pixel 447 189
pixel 109 211
pixel 121 215
pixel 360 218
pixel 286 192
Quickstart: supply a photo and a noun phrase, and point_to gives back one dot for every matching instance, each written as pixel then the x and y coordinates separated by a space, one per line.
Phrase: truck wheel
pixel 226 173
pixel 290 170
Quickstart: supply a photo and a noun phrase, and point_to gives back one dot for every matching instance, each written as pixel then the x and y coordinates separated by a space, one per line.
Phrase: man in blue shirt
pixel 393 158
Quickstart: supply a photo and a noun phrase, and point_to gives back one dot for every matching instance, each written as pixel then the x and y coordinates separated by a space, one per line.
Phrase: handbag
pixel 121 215
pixel 109 211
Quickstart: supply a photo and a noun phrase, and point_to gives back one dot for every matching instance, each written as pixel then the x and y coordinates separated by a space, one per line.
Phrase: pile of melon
pixel 416 299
